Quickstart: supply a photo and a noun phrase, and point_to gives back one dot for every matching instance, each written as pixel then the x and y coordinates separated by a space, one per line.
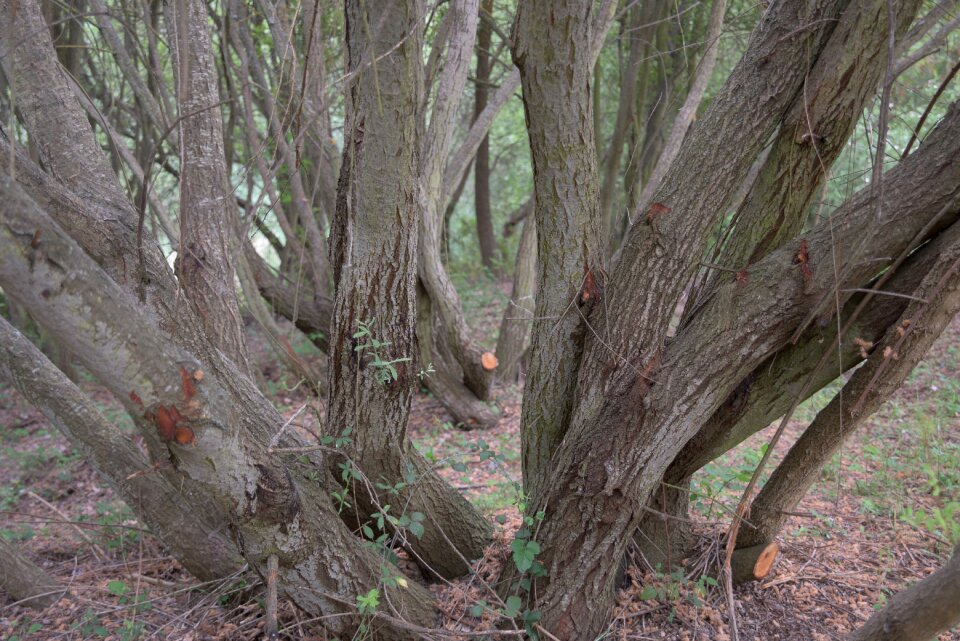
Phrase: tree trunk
pixel 591 500
pixel 814 132
pixel 919 612
pixel 372 370
pixel 202 547
pixel 767 392
pixel 213 424
pixel 519 313
pixel 432 199
pixel 481 166
pixel 26 582
pixel 559 119
pixel 629 75
pixel 209 241
pixel 445 382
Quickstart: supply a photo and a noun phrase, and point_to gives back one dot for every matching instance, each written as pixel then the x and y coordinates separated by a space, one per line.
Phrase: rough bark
pixel 559 115
pixel 204 549
pixel 919 612
pixel 212 422
pixel 814 132
pixel 519 313
pixel 764 395
pixel 25 581
pixel 591 504
pixel 642 400
pixel 481 165
pixel 375 267
pixel 209 241
pixel 890 362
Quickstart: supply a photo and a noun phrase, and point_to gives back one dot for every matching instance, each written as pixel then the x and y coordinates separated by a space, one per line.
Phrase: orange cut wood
pixel 765 561
pixel 489 361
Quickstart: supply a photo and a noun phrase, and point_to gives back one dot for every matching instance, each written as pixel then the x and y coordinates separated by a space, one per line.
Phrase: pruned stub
pixel 172 423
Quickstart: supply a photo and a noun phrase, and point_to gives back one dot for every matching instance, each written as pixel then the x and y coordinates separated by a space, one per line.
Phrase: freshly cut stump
pixel 753 563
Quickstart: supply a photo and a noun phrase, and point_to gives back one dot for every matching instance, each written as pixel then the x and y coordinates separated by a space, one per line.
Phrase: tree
pixel 670 322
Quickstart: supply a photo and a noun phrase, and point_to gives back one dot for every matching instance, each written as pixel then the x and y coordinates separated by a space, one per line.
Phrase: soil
pixel 842 555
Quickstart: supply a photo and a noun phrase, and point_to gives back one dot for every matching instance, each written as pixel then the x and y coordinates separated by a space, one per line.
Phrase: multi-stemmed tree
pixel 720 309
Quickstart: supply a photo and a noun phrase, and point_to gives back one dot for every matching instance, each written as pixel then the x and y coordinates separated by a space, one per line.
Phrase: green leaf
pixel 117 588
pixel 524 553
pixel 367 603
pixel 513 606
pixel 416 528
pixel 476 610
pixel 649 592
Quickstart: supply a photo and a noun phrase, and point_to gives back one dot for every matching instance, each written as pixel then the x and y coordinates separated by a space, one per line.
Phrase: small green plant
pixel 25 629
pixel 943 522
pixel 674 586
pixel 384 370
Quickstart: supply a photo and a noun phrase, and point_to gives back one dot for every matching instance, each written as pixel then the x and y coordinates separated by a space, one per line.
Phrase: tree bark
pixel 212 422
pixel 814 132
pixel 891 361
pixel 446 380
pixel 209 240
pixel 372 371
pixel 25 581
pixel 519 313
pixel 481 165
pixel 558 108
pixel 643 401
pixel 433 161
pixel 203 548
pixel 767 392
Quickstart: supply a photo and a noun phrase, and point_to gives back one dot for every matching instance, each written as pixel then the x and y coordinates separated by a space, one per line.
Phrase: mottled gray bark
pixel 211 421
pixel 657 416
pixel 206 550
pixel 209 240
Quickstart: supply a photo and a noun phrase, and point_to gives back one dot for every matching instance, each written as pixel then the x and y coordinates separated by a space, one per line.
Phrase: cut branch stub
pixel 753 563
pixel 489 361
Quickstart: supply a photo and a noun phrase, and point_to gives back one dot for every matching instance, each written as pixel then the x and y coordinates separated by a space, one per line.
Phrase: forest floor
pixel 881 517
